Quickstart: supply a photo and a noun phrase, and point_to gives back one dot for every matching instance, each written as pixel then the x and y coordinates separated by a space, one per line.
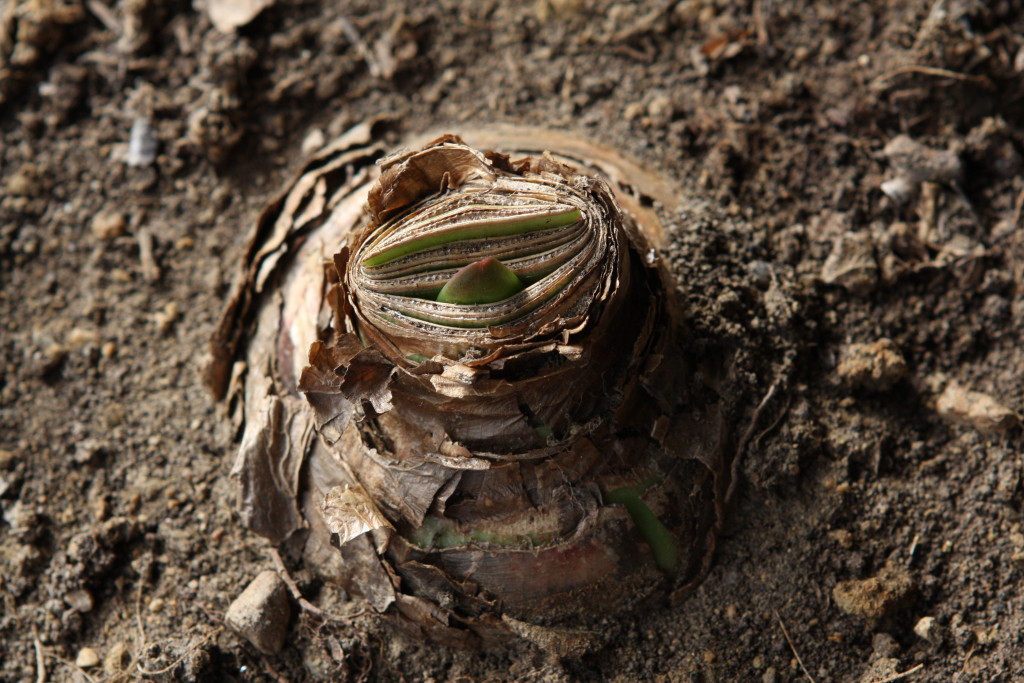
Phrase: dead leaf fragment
pixel 975 409
pixel 349 512
pixel 267 467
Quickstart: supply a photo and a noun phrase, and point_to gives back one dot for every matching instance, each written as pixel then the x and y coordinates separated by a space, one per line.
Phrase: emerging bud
pixel 484 282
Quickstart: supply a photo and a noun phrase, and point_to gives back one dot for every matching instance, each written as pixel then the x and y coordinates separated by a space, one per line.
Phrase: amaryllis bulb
pixel 466 390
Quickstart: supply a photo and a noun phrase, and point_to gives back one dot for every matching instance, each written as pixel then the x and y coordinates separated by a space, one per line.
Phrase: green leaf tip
pixel 663 544
pixel 482 282
pixel 473 230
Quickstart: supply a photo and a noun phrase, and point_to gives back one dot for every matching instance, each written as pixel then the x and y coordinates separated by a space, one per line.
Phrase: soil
pixel 870 302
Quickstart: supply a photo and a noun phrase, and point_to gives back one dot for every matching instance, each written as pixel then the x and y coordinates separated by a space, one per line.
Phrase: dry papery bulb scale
pixel 464 386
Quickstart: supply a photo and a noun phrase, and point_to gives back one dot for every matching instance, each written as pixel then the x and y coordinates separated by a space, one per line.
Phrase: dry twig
pixel 793 648
pixel 106 15
pixel 748 433
pixel 40 661
pixel 933 71
pixel 305 604
pixel 150 268
pixel 1018 210
pixel 79 671
pixel 762 10
pixel 170 667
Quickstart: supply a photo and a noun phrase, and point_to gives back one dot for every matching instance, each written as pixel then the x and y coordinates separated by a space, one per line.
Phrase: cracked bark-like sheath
pixel 463 388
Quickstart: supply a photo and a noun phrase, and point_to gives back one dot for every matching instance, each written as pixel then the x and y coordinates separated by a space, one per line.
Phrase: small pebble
pixel 107 225
pixel 24 183
pixel 261 613
pixel 165 318
pixel 82 601
pixel 87 658
pixel 157 605
pixel 660 109
pixel 928 629
pixel 633 110
pixel 100 509
pixel 142 144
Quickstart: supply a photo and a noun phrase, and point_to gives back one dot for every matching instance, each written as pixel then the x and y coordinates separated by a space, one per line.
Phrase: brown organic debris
pixel 454 460
pixel 876 598
pixel 852 264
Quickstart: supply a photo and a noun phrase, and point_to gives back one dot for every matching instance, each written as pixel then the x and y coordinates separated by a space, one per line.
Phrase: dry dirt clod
pixel 108 224
pixel 852 264
pixel 920 164
pixel 261 613
pixel 881 669
pixel 876 598
pixel 975 409
pixel 25 182
pixel 81 600
pixel 875 366
pixel 166 318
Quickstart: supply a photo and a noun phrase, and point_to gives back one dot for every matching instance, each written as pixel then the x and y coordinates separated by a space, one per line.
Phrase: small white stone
pixel 927 629
pixel 87 658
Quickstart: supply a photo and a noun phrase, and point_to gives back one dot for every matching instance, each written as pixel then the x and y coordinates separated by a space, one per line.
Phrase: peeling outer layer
pixel 454 463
